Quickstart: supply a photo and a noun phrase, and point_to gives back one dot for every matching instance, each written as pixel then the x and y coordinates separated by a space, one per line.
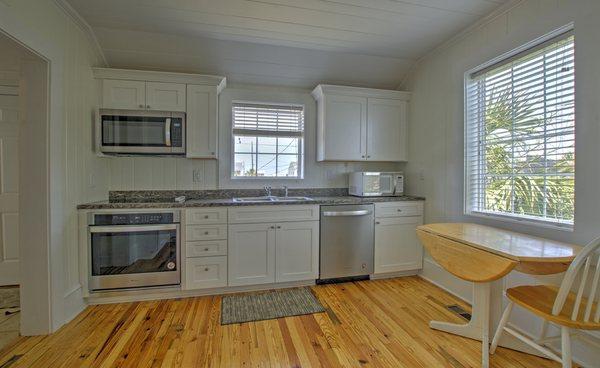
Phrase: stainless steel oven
pixel 134 249
pixel 142 132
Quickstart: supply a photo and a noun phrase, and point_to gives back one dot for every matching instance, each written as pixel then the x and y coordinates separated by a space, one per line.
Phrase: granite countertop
pixel 229 202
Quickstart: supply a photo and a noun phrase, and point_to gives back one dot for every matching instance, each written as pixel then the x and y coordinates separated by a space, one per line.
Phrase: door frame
pixel 36 158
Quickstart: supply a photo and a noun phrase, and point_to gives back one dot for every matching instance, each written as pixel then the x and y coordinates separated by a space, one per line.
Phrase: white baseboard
pixel 73 304
pixel 391 275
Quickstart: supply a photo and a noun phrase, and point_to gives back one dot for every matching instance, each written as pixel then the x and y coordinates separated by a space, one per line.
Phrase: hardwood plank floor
pixel 380 323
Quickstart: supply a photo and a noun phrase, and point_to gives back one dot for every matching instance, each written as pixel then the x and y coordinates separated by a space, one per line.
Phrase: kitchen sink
pixel 268 199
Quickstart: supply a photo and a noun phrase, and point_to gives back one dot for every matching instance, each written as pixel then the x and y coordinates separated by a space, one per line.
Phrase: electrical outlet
pixel 197 176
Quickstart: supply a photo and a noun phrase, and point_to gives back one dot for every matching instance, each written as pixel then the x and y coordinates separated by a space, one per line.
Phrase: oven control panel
pixel 134 218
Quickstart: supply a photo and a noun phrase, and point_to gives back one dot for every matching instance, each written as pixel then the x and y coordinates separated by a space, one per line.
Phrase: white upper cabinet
pixel 344 135
pixel 165 96
pixel 123 94
pixel 386 133
pixel 360 124
pixel 202 135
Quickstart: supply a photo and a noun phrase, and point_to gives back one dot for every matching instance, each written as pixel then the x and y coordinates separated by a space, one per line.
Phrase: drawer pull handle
pixel 206 233
pixel 377 223
pixel 206 269
pixel 279 227
pixel 206 249
pixel 399 210
pixel 205 216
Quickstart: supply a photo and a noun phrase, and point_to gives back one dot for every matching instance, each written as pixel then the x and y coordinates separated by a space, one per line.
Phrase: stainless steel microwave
pixel 142 132
pixel 376 184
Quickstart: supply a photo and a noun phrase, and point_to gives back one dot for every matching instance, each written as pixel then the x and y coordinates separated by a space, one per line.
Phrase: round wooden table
pixel 484 255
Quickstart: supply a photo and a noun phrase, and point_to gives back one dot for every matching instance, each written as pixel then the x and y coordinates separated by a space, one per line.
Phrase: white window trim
pixel 520 219
pixel 301 147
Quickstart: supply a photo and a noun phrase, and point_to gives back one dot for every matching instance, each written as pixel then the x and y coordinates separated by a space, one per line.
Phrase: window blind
pixel 268 120
pixel 520 135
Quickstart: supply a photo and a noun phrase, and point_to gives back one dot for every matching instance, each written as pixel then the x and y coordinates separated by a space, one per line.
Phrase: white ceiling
pixel 301 43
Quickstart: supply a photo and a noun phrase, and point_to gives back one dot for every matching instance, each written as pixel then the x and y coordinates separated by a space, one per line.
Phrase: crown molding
pixel 84 26
pixel 499 11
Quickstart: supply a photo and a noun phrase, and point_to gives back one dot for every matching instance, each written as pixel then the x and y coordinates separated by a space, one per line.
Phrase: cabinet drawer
pixel 283 213
pixel 201 216
pixel 205 232
pixel 205 272
pixel 398 209
pixel 206 248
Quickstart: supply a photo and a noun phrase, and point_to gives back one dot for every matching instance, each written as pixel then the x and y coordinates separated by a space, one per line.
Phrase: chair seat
pixel 539 299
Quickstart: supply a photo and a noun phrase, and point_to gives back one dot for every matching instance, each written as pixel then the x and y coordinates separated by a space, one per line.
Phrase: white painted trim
pixel 501 10
pixel 392 275
pixel 323 89
pixel 156 76
pixel 443 288
pixel 175 292
pixel 84 26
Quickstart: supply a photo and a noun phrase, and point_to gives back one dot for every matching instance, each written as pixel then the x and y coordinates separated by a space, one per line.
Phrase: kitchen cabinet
pixel 165 96
pixel 251 254
pixel 202 129
pixel 205 272
pixel 273 252
pixel 123 94
pixel 397 248
pixel 141 95
pixel 297 251
pixel 360 124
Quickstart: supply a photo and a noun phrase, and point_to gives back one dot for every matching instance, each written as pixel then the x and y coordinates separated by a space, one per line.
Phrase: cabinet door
pixel 345 128
pixel 123 94
pixel 386 130
pixel 251 254
pixel 202 134
pixel 165 96
pixel 396 245
pixel 205 272
pixel 297 251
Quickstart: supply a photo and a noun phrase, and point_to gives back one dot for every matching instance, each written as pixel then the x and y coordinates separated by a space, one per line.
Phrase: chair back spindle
pixel 581 266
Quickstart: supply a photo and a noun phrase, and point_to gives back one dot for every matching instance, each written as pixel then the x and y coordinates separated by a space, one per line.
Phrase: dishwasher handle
pixel 346 213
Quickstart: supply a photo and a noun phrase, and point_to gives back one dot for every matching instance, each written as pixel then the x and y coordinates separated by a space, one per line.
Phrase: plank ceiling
pixel 299 43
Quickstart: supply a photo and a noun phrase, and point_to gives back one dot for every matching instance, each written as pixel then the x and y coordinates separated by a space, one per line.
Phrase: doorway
pixel 23 109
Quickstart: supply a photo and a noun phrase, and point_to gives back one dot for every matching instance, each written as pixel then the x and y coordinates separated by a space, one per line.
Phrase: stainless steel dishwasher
pixel 347 240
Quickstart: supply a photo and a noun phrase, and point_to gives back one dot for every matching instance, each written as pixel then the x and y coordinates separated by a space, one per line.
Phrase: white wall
pixel 76 174
pixel 146 173
pixel 436 123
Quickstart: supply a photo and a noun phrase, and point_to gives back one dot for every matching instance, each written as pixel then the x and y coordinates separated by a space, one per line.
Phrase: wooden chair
pixel 559 305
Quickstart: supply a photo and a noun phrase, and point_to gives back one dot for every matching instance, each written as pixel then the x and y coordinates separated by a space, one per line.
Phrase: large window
pixel 267 141
pixel 520 135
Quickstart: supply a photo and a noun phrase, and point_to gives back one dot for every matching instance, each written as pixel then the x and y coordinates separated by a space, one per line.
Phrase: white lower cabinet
pixel 205 272
pixel 273 252
pixel 297 251
pixel 251 254
pixel 397 248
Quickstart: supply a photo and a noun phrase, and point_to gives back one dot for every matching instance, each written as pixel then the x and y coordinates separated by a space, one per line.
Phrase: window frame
pixel 301 144
pixel 522 51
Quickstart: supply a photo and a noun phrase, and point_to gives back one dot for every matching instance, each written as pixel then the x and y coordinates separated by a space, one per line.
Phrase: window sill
pixel 523 221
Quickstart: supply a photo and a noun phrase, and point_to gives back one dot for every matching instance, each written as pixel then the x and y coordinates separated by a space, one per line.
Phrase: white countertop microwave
pixel 142 132
pixel 376 184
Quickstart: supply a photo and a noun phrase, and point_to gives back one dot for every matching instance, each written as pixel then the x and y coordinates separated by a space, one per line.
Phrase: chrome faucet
pixel 285 190
pixel 268 190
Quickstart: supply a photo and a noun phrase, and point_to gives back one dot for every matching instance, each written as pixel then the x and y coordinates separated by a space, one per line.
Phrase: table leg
pixel 478 327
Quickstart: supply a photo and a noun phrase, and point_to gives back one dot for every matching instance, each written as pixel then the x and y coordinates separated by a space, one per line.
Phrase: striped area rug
pixel 268 305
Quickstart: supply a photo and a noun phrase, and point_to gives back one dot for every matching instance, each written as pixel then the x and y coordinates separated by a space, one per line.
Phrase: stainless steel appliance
pixel 142 132
pixel 134 249
pixel 347 241
pixel 376 184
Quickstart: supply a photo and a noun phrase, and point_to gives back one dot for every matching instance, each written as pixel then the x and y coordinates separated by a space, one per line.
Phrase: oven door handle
pixel 132 228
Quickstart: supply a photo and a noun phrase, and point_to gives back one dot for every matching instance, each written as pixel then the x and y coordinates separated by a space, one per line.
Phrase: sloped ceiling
pixel 300 43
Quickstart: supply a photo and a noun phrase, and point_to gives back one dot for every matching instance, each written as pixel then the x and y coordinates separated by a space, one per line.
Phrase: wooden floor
pixel 367 324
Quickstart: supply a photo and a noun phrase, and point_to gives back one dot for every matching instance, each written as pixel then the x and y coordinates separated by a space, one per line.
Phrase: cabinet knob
pixel 279 227
pixel 399 210
pixel 212 153
pixel 142 106
pixel 206 269
pixel 369 156
pixel 206 249
pixel 272 227
pixel 205 216
pixel 363 156
pixel 148 106
pixel 206 233
pixel 377 222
